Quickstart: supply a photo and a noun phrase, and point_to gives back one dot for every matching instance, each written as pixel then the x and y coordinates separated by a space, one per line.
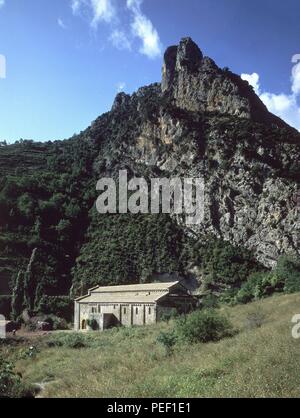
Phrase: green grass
pixel 262 360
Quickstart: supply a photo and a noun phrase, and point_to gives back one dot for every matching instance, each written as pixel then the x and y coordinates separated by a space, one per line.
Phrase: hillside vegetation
pixel 260 360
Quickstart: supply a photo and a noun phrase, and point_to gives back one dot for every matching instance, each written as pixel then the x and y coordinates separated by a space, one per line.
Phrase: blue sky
pixel 67 59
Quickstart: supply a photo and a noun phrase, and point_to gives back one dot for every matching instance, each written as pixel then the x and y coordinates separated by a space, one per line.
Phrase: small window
pixel 136 311
pixel 124 310
pixel 149 310
pixel 99 308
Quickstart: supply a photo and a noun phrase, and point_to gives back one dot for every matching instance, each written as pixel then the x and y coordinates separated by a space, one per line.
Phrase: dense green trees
pixel 126 248
pixel 222 264
pixel 284 278
pixel 42 209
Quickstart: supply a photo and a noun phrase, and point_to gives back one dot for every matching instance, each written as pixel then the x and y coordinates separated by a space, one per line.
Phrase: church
pixel 131 305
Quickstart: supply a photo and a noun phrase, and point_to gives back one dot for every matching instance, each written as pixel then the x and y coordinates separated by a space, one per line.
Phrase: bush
pixel 93 324
pixel 255 319
pixel 223 264
pixel 59 306
pixel 57 323
pixel 74 340
pixel 229 297
pixel 167 316
pixel 30 352
pixel 288 271
pixel 203 326
pixel 285 277
pixel 168 340
pixel 259 285
pixel 210 301
pixel 11 385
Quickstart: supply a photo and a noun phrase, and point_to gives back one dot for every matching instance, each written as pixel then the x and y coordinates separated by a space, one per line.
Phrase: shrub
pixel 30 352
pixel 288 271
pixel 74 340
pixel 285 277
pixel 167 316
pixel 93 324
pixel 222 263
pixel 203 326
pixel 259 285
pixel 255 319
pixel 210 301
pixel 229 296
pixel 168 340
pixel 11 385
pixel 57 323
pixel 59 306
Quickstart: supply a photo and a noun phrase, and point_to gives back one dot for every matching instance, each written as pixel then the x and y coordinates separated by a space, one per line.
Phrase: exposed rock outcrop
pixel 197 84
pixel 204 121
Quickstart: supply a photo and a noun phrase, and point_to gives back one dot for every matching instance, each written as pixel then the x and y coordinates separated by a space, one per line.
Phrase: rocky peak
pixel 168 70
pixel 185 57
pixel 197 84
pixel 189 56
pixel 121 100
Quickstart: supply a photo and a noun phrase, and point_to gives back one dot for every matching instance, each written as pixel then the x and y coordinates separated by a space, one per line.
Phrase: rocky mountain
pixel 204 121
pixel 200 121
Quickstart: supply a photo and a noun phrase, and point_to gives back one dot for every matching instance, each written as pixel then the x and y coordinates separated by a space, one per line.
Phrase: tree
pixel 26 206
pixel 17 303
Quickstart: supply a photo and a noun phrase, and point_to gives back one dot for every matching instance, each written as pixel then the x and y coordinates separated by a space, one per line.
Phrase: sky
pixel 62 62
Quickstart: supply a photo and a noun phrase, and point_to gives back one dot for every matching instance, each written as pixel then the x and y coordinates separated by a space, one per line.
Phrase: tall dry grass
pixel 262 360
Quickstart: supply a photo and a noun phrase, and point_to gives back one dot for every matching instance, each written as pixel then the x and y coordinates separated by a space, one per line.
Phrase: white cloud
pixel 143 28
pixel 296 79
pixel 283 105
pixel 76 4
pixel 253 80
pixel 134 4
pixel 61 23
pixel 120 40
pixel 121 86
pixel 102 10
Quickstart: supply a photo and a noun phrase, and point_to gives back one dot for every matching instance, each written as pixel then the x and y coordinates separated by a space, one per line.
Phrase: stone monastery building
pixel 139 304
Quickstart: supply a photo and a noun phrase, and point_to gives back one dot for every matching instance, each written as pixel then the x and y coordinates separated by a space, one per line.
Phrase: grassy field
pixel 261 360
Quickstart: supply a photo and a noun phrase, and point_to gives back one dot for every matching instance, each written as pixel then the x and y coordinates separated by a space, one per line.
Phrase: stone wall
pixel 124 314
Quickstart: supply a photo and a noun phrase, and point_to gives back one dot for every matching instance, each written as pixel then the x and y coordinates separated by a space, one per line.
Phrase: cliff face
pixel 204 121
pixel 200 121
pixel 198 85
